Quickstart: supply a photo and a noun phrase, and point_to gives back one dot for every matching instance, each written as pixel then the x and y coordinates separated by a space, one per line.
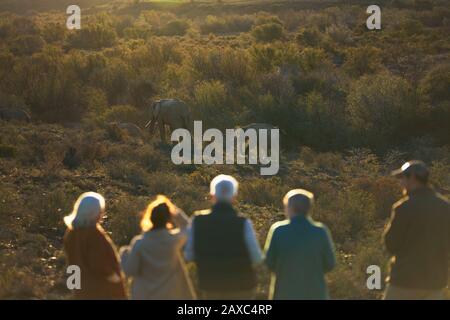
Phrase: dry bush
pixel 128 172
pixel 123 216
pixel 48 207
pixel 268 32
pixel 262 192
pixel 226 24
pixel 349 214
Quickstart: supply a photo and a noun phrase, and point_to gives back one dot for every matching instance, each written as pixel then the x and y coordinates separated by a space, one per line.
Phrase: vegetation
pixel 352 104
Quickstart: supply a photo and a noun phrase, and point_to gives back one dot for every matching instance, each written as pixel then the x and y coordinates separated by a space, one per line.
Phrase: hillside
pixel 352 105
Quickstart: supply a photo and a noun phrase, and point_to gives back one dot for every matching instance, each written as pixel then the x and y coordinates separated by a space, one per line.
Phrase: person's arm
pixel 130 258
pixel 270 248
pixel 189 254
pixel 181 220
pixel 395 231
pixel 252 244
pixel 329 256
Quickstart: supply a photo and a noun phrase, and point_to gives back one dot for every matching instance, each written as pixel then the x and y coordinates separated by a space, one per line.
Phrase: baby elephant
pixel 130 128
pixel 14 114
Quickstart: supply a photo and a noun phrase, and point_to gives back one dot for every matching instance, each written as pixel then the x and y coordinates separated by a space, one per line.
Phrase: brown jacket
pixel 93 251
pixel 418 238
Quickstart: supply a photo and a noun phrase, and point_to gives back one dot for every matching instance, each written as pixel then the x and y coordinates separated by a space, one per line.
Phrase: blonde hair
pixel 155 206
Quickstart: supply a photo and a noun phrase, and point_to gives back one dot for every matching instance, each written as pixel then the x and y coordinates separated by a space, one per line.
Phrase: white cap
pixel 224 187
pixel 86 211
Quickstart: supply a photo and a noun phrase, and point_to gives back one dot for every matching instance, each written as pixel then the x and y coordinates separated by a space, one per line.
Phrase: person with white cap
pixel 88 246
pixel 299 252
pixel 418 238
pixel 223 245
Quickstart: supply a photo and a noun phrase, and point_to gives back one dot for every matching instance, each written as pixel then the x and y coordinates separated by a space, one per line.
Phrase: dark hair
pixel 422 178
pixel 159 214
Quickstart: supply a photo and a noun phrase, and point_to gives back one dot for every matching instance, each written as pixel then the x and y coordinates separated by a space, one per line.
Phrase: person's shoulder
pixel 443 201
pixel 280 226
pixel 401 204
pixel 201 213
pixel 320 227
pixel 137 240
pixel 442 198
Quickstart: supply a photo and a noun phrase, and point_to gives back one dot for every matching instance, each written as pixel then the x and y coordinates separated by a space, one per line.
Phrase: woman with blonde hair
pixel 153 259
pixel 88 246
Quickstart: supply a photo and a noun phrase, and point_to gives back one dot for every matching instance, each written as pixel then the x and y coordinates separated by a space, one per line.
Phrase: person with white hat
pixel 88 246
pixel 223 245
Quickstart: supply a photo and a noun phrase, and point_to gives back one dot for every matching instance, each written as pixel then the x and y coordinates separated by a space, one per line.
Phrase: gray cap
pixel 416 167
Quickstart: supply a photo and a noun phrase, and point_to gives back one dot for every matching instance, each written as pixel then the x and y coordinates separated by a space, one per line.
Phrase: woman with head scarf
pixel 88 247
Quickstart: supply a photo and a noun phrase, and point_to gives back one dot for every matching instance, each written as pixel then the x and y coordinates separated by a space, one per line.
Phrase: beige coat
pixel 155 263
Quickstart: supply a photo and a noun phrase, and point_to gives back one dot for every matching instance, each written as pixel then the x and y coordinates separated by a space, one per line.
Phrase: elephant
pixel 14 114
pixel 257 126
pixel 171 112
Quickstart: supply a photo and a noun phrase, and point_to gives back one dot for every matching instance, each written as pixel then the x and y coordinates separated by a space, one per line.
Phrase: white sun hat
pixel 86 211
pixel 224 187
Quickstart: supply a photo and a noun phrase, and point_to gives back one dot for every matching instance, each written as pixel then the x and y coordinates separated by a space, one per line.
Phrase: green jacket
pixel 299 252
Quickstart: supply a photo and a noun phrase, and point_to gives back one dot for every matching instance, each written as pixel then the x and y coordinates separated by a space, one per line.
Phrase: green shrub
pixel 268 32
pixel 226 24
pixel 363 60
pixel 175 28
pixel 92 36
pixel 436 83
pixel 27 44
pixel 312 58
pixel 383 107
pixel 7 151
pixel 310 37
pixel 211 101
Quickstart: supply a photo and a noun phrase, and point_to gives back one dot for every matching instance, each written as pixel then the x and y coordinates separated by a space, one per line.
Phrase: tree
pixel 383 108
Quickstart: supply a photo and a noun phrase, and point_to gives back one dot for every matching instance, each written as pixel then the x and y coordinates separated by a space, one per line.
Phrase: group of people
pixel 223 246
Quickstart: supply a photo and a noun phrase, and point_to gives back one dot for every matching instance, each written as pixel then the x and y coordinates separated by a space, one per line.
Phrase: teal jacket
pixel 299 252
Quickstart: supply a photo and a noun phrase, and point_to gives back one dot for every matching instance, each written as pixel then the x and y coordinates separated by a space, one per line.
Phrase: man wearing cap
pixel 299 251
pixel 418 238
pixel 223 245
